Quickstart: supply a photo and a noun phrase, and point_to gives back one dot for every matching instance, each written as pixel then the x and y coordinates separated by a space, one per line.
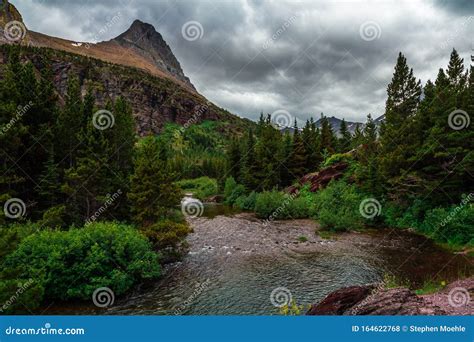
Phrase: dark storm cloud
pixel 305 57
pixel 463 7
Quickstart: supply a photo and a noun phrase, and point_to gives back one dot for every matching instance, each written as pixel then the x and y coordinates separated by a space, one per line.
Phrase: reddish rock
pixel 337 302
pixel 319 180
pixel 455 299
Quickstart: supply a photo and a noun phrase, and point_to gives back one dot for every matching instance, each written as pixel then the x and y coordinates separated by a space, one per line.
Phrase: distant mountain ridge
pixel 336 124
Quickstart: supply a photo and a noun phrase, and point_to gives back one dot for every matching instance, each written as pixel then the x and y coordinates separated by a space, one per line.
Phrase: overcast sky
pixel 304 57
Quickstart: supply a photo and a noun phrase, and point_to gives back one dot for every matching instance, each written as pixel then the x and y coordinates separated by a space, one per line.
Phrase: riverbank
pixel 455 299
pixel 235 262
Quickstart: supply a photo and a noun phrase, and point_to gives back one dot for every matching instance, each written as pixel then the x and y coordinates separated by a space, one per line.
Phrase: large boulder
pixel 338 302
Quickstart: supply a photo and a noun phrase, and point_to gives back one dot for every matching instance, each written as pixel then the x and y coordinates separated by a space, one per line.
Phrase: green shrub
pixel 238 191
pixel 54 217
pixel 72 264
pixel 20 295
pixel 246 202
pixel 391 214
pixel 410 217
pixel 337 158
pixel 229 186
pixel 277 205
pixel 13 234
pixel 298 208
pixel 337 207
pixel 201 188
pixel 270 204
pixel 166 234
pixel 454 225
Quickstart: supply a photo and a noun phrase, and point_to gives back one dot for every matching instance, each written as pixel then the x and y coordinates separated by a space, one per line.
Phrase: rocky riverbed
pixel 236 262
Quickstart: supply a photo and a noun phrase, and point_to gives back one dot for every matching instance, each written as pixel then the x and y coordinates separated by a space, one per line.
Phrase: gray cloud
pixel 305 57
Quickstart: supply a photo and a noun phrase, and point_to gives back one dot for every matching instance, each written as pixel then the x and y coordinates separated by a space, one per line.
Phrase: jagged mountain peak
pixel 140 29
pixel 149 43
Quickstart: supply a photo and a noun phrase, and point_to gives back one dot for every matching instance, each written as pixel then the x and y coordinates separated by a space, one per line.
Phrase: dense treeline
pixel 418 165
pixel 266 159
pixel 81 195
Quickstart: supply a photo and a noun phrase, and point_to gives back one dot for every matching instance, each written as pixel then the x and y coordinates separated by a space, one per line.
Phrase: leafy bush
pixel 337 158
pixel 229 186
pixel 201 188
pixel 298 208
pixel 232 191
pixel 169 237
pixel 13 234
pixel 391 214
pixel 410 217
pixel 337 207
pixel 246 202
pixel 30 290
pixel 454 225
pixel 72 264
pixel 54 217
pixel 277 205
pixel 238 191
pixel 269 203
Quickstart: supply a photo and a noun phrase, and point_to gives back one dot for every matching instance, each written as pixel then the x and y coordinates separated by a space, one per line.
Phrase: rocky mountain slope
pixel 142 39
pixel 137 65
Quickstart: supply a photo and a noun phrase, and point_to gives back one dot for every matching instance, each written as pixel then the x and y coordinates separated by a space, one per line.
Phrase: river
pixel 235 262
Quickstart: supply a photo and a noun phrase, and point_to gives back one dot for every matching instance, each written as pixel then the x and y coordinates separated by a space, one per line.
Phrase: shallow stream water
pixel 235 262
